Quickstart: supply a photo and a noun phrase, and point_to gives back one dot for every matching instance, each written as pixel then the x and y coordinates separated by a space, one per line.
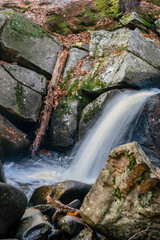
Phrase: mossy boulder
pixel 134 20
pixel 123 58
pixel 62 132
pixel 28 44
pixel 57 23
pixel 126 194
pixel 12 140
pixel 18 101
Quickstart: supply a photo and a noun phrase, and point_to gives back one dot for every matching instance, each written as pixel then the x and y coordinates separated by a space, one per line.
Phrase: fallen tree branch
pixel 136 234
pixel 60 206
pixel 57 72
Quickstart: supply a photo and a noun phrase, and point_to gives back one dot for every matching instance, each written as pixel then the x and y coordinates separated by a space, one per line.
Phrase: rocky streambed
pixel 124 201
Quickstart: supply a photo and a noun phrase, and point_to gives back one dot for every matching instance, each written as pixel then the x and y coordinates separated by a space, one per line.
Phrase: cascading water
pixel 114 127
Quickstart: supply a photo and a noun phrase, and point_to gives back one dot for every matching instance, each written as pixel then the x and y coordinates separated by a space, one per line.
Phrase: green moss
pixel 117 193
pixel 56 23
pixel 143 177
pixel 131 158
pixel 23 25
pixel 27 2
pixel 145 199
pixel 19 96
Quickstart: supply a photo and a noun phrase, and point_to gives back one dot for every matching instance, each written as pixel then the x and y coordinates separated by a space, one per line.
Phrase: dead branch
pixel 136 234
pixel 57 72
pixel 60 206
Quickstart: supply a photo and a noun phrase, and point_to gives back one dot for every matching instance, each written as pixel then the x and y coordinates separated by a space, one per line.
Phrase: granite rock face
pixel 28 44
pixel 18 99
pixel 125 58
pixel 126 192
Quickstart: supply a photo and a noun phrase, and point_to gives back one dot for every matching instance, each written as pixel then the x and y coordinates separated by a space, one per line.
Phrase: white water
pixel 114 127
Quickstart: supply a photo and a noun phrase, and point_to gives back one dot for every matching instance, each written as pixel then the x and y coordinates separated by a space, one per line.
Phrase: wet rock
pixel 57 217
pixel 77 52
pixel 126 194
pixel 45 209
pixel 12 140
pixel 56 234
pixel 124 58
pixel 75 204
pixel 2 175
pixel 69 190
pixel 28 44
pixel 147 130
pixel 18 100
pixel 134 20
pixel 39 195
pixel 12 206
pixel 71 225
pixel 33 226
pixel 27 77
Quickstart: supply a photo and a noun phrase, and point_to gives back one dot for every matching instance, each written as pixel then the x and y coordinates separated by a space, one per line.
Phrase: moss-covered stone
pixel 57 23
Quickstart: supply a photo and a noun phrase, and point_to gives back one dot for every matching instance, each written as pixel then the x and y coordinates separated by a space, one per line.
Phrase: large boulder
pixel 17 99
pixel 33 226
pixel 147 130
pixel 124 199
pixel 12 206
pixel 28 78
pixel 28 44
pixel 12 139
pixel 124 58
pixel 76 53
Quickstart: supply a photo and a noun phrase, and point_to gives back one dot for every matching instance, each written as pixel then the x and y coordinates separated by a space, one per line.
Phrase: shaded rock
pixel 39 195
pixel 28 44
pixel 69 190
pixel 71 225
pixel 126 194
pixel 64 123
pixel 2 175
pixel 157 23
pixel 33 226
pixel 147 130
pixel 27 77
pixel 3 20
pixel 46 209
pixel 12 206
pixel 75 204
pixel 91 113
pixel 134 20
pixel 56 218
pixel 56 234
pixel 12 140
pixel 124 58
pixel 77 52
pixel 18 100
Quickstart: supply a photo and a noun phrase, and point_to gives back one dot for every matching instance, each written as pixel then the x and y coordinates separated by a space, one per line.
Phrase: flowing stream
pixel 114 127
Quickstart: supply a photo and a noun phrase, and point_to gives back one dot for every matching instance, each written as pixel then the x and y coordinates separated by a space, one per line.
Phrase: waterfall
pixel 114 127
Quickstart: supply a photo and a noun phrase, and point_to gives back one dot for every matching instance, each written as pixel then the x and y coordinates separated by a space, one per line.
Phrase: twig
pixel 136 234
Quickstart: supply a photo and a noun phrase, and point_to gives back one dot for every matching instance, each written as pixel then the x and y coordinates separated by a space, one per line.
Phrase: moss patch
pixel 132 160
pixel 19 97
pixel 57 23
pixel 26 27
